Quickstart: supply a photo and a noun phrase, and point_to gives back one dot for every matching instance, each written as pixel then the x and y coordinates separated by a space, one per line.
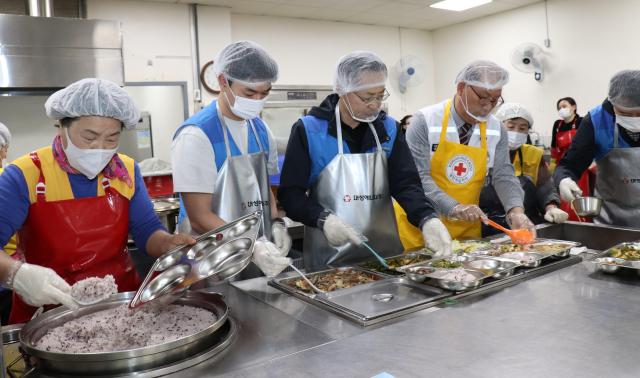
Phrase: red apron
pixel 77 238
pixel 563 142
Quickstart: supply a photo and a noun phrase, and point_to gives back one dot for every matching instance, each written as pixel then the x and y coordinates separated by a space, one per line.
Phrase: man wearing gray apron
pixel 610 134
pixel 344 163
pixel 222 156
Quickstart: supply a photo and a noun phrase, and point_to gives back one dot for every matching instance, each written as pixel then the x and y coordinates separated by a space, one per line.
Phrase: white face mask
pixel 630 123
pixel 90 162
pixel 369 119
pixel 246 108
pixel 516 139
pixel 466 109
pixel 565 113
pixel 3 163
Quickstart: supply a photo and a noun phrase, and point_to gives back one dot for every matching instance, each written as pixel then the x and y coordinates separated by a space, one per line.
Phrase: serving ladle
pixel 518 236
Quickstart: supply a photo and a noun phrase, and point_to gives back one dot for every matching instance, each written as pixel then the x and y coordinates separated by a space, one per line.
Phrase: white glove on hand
pixel 437 237
pixel 469 213
pixel 519 221
pixel 568 189
pixel 267 257
pixel 39 286
pixel 555 215
pixel 281 238
pixel 339 233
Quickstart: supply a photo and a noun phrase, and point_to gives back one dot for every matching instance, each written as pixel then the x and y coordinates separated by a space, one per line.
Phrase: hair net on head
pixel 483 74
pixel 93 97
pixel 5 135
pixel 359 70
pixel 511 110
pixel 624 89
pixel 246 62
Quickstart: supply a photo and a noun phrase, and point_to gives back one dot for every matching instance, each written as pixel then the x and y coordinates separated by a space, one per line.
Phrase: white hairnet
pixel 483 74
pixel 359 70
pixel 624 89
pixel 93 97
pixel 511 110
pixel 5 135
pixel 246 62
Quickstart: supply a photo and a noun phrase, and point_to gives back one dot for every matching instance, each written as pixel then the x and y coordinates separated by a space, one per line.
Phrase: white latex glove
pixel 569 189
pixel 39 286
pixel 281 238
pixel 469 213
pixel 437 237
pixel 519 221
pixel 339 233
pixel 267 257
pixel 555 215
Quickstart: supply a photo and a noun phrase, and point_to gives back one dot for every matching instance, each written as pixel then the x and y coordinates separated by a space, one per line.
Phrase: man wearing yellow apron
pixel 457 145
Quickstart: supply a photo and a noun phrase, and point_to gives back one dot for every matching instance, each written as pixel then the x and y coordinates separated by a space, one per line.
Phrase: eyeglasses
pixel 495 101
pixel 372 100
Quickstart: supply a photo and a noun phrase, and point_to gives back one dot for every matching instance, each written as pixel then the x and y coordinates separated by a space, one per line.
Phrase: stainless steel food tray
pixel 392 272
pixel 219 254
pixel 609 264
pixel 286 282
pixel 372 302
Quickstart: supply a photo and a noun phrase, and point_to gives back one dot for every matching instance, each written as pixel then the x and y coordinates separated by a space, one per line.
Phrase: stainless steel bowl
pixel 126 361
pixel 458 285
pixel 610 264
pixel 587 206
pixel 527 259
pixel 418 273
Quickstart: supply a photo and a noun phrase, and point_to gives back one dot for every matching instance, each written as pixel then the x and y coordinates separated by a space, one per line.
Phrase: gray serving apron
pixel 355 187
pixel 618 184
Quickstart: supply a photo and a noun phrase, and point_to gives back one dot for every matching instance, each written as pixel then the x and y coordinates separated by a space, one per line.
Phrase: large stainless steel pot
pixel 127 361
pixel 167 210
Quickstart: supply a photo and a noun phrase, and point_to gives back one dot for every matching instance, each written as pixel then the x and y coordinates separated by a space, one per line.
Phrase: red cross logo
pixel 460 169
pixel 347 198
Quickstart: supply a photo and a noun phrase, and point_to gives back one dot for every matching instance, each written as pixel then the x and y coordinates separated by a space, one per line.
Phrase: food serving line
pixel 572 320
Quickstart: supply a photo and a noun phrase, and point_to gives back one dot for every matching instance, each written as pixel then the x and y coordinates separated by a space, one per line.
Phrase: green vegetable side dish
pixel 468 246
pixel 395 262
pixel 629 252
pixel 446 264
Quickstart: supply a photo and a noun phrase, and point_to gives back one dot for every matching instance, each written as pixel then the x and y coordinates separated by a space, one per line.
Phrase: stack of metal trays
pixel 624 257
pixel 362 296
pixel 218 255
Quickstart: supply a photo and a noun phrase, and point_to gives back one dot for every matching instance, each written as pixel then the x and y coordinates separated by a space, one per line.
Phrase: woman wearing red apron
pixel 564 130
pixel 75 202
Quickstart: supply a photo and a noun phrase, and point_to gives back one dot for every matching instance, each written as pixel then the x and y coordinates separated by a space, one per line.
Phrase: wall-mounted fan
pixel 528 58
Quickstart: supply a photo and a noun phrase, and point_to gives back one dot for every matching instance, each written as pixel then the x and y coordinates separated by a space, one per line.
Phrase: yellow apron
pixel 459 171
pixel 531 156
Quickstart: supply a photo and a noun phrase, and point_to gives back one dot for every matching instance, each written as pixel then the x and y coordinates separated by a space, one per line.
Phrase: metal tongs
pixel 313 287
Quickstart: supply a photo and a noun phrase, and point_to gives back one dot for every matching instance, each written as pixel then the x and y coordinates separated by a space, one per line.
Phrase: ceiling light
pixel 459 5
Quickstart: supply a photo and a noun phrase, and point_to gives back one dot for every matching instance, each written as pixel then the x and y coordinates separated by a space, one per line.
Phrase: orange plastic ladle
pixel 519 236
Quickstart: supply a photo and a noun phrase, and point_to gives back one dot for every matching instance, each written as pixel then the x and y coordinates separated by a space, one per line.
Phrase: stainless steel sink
pixel 594 236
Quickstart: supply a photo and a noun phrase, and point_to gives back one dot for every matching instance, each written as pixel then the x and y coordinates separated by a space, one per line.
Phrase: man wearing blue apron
pixel 222 156
pixel 610 134
pixel 344 162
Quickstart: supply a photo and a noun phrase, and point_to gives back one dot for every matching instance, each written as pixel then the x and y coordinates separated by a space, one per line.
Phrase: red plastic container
pixel 159 186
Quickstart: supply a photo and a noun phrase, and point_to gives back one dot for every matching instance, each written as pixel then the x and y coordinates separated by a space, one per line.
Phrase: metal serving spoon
pixel 317 290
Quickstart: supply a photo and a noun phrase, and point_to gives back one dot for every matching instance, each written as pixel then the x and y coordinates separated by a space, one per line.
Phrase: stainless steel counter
pixel 569 323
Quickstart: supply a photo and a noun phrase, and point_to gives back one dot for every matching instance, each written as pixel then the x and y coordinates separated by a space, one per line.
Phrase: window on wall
pixel 61 8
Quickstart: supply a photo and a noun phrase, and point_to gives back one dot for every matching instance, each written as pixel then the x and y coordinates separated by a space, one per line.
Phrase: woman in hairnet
pixel 458 145
pixel 344 162
pixel 541 199
pixel 75 202
pixel 610 135
pixel 223 155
